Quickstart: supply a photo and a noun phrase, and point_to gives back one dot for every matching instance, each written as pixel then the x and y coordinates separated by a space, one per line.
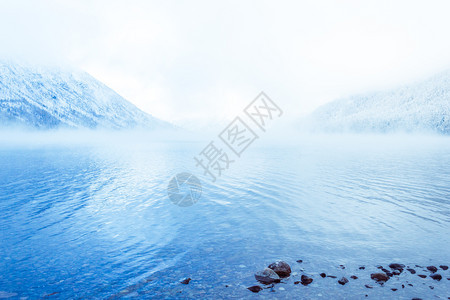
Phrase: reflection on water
pixel 96 222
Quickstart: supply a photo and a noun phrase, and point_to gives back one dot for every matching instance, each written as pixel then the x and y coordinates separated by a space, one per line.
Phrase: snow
pixel 44 98
pixel 421 107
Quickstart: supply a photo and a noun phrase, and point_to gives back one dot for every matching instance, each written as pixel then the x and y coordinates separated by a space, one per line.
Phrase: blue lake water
pixel 95 222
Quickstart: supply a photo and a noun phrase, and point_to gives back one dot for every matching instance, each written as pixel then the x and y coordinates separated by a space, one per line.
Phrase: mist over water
pixel 88 216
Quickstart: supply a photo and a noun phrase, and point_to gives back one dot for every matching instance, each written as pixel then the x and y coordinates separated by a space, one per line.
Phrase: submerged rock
pixel 398 267
pixel 282 268
pixel 343 281
pixel 331 276
pixel 299 261
pixel 437 277
pixel 255 289
pixel 412 271
pixel 306 280
pixel 432 269
pixel 379 277
pixel 368 286
pixel 267 276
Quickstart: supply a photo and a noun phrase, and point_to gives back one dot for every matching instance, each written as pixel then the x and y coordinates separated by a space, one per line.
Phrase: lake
pixel 84 221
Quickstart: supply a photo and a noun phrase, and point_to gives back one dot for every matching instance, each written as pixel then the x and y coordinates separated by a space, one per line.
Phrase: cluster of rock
pixel 280 270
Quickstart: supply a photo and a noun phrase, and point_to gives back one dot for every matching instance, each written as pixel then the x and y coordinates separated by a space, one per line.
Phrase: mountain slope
pixel 47 98
pixel 422 107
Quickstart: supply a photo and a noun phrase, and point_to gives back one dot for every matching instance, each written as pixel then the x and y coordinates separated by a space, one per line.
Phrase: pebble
pixel 343 281
pixel 398 267
pixel 280 267
pixel 255 289
pixel 306 280
pixel 267 276
pixel 432 269
pixel 437 277
pixel 379 277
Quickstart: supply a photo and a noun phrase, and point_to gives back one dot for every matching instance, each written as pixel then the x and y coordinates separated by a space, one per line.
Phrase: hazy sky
pixel 205 60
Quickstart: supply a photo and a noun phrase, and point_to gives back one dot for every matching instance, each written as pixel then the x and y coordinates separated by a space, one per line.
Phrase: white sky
pixel 196 62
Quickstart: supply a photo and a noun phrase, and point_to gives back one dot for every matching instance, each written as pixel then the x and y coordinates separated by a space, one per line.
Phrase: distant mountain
pixel 422 107
pixel 45 98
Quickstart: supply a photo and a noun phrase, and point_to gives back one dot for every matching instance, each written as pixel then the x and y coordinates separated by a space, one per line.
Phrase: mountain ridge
pixel 420 107
pixel 50 97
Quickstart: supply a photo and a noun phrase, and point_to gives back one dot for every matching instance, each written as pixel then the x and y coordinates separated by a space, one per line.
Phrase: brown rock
pixel 281 268
pixel 255 288
pixel 306 280
pixel 437 277
pixel 343 281
pixel 432 269
pixel 379 277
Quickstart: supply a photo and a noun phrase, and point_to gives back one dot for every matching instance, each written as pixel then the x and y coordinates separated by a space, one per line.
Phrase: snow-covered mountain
pixel 422 107
pixel 44 98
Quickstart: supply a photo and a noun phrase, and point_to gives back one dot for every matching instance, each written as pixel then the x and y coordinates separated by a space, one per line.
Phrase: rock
pixel 281 268
pixel 343 281
pixel 398 267
pixel 306 280
pixel 394 289
pixel 331 276
pixel 403 286
pixel 368 286
pixel 432 287
pixel 296 282
pixel 255 289
pixel 437 277
pixel 354 277
pixel 422 276
pixel 412 271
pixel 379 277
pixel 410 284
pixel 432 269
pixel 267 276
pixel 342 266
pixel 299 261
pixel 416 299
pixel 443 267
pixel 396 272
pixel 362 268
pixel 323 275
pixel 186 281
